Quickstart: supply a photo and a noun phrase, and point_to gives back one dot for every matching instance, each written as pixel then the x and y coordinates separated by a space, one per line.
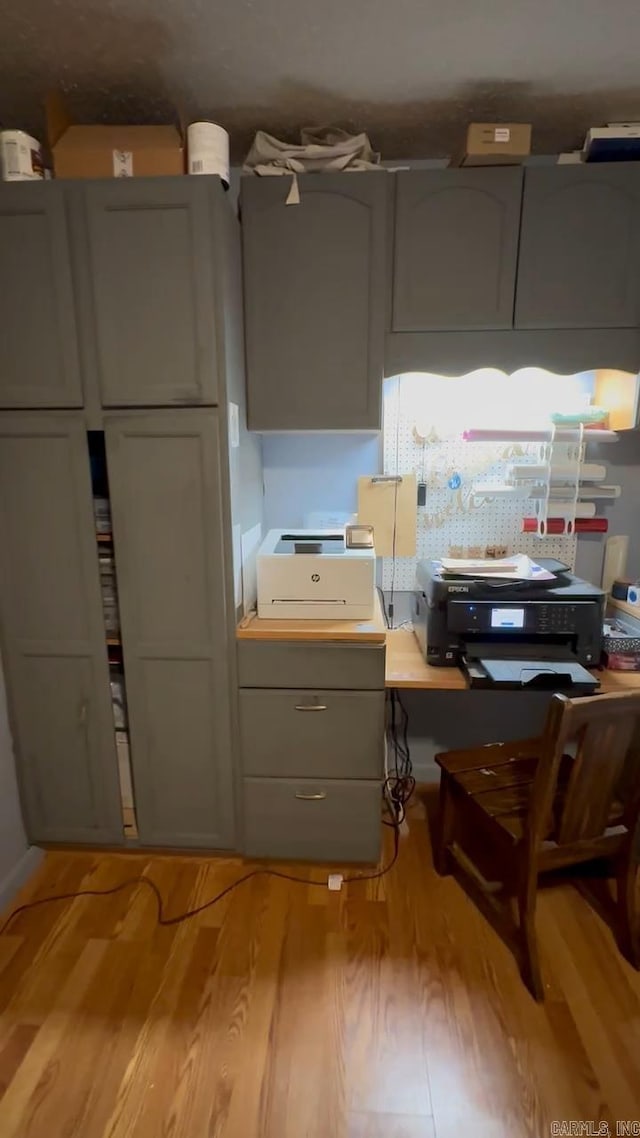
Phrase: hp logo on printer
pixel 315 576
pixel 458 589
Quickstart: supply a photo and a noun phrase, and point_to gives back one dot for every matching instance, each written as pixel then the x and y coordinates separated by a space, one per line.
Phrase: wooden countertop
pixel 405 664
pixel 363 631
pixel 406 668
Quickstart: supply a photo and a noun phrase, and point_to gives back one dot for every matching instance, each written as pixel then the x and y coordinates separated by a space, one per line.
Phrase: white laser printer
pixel 313 575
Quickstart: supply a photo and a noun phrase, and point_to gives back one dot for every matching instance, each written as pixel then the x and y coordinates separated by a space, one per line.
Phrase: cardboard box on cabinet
pixel 496 144
pixel 100 151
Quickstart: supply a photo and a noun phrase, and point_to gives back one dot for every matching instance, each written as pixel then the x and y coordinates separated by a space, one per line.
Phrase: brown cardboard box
pixel 496 144
pixel 110 151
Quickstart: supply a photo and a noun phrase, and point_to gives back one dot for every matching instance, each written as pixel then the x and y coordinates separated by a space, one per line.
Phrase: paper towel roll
pixel 208 147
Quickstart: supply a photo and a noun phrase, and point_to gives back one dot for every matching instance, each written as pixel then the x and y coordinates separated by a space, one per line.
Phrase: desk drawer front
pixel 328 820
pixel 310 665
pixel 306 733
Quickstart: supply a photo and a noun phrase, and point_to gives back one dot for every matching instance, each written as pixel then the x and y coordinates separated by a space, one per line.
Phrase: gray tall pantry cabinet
pixel 166 503
pixel 55 660
pixel 121 316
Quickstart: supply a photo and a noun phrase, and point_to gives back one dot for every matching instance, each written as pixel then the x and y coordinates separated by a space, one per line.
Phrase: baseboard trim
pixel 425 771
pixel 20 873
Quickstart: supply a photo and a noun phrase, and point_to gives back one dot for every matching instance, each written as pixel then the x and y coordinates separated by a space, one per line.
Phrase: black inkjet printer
pixel 511 633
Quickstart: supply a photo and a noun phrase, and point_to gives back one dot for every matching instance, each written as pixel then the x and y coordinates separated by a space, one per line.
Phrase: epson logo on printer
pixel 458 589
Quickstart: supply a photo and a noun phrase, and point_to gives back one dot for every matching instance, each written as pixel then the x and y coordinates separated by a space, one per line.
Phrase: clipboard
pixel 383 502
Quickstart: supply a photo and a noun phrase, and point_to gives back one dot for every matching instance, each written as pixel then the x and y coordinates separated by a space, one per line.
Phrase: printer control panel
pixel 558 618
pixel 539 618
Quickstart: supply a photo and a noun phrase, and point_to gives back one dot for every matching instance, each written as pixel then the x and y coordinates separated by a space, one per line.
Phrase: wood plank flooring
pixel 390 1010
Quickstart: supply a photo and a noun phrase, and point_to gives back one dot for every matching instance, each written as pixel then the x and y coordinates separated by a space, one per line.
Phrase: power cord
pixel 384 606
pixel 393 549
pixel 165 921
pixel 400 783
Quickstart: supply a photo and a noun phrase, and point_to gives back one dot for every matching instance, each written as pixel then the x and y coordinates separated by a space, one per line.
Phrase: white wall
pixel 308 472
pixel 16 859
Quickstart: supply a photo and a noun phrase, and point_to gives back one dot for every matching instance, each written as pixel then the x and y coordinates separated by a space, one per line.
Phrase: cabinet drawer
pixel 331 820
pixel 309 733
pixel 305 665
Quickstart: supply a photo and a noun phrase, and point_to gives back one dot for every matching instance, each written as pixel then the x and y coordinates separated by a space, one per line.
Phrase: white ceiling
pixel 410 72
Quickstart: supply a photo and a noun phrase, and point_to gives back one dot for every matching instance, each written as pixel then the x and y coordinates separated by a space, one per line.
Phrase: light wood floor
pixel 388 1011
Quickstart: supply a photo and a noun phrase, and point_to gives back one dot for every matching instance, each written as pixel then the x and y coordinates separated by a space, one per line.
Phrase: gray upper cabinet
pixel 456 248
pixel 53 634
pixel 579 261
pixel 150 269
pixel 314 281
pixel 164 473
pixel 38 343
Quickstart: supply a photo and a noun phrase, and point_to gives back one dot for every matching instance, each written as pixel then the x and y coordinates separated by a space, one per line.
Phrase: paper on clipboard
pixel 381 504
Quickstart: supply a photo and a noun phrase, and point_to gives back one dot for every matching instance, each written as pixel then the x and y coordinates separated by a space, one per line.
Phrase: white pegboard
pixel 455 521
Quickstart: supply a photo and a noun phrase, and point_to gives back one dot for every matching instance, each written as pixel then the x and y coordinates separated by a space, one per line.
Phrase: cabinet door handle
pixel 83 713
pixel 312 797
pixel 311 707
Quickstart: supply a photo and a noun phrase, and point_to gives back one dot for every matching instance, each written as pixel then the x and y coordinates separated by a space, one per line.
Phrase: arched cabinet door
pixel 456 248
pixel 579 261
pixel 314 288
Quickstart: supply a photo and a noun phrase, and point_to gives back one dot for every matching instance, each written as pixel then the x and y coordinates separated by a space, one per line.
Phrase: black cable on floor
pixel 166 922
pixel 400 783
pixel 399 787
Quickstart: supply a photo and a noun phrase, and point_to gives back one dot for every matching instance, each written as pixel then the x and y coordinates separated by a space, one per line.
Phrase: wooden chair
pixel 510 811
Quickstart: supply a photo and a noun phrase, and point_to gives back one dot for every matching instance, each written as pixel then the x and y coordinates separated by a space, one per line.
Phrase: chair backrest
pixel 601 734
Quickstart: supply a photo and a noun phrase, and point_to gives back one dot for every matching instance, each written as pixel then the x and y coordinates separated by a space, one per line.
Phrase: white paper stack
pixel 519 567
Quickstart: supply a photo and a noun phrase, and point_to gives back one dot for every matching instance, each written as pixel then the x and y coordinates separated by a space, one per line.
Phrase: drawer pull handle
pixel 311 707
pixel 312 797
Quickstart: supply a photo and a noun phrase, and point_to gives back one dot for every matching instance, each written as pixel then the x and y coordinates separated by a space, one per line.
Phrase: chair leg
pixel 530 965
pixel 444 828
pixel 627 910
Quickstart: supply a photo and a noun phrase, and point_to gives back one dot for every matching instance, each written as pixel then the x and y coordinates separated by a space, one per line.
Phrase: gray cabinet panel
pixel 579 247
pixel 149 243
pixel 330 820
pixel 314 301
pixel 310 665
pixel 456 246
pixel 164 477
pixel 61 743
pixel 53 633
pixel 182 796
pixel 38 345
pixel 309 734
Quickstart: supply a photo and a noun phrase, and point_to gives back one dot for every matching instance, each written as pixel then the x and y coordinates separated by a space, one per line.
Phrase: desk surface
pixel 405 664
pixel 406 668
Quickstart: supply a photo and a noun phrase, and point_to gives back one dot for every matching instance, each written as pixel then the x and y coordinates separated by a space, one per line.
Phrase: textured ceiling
pixel 410 72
